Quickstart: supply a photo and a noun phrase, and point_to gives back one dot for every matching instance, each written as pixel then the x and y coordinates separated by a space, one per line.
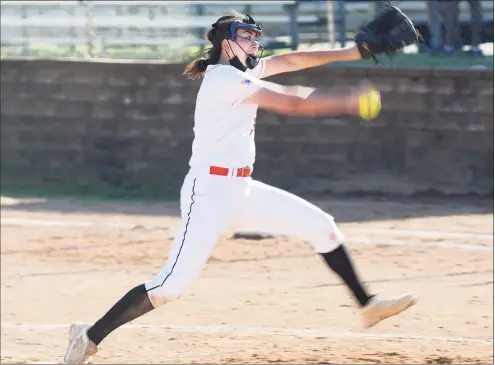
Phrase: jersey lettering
pixel 254 125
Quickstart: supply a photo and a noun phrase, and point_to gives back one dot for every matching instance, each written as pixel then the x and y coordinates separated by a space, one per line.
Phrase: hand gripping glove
pixel 387 32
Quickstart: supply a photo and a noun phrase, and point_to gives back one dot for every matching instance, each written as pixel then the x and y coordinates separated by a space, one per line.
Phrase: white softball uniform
pixel 218 193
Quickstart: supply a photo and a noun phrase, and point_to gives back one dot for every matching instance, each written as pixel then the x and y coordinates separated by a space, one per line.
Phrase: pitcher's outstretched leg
pixel 84 339
pixel 272 210
pixel 340 262
pixel 374 308
pixel 199 230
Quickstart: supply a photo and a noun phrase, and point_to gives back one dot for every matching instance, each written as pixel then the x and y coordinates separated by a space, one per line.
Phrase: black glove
pixel 386 33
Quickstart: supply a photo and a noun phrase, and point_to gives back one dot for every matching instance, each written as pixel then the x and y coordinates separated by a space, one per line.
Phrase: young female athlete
pixel 218 192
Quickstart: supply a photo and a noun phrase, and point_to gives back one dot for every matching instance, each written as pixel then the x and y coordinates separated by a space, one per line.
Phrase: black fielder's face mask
pixel 251 60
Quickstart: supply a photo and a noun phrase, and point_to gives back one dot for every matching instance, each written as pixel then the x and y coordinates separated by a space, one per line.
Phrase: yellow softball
pixel 370 104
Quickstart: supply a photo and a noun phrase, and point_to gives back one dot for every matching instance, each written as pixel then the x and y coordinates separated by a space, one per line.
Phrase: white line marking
pixel 392 242
pixel 62 223
pixel 469 247
pixel 265 330
pixel 71 223
pixel 423 233
pixel 269 331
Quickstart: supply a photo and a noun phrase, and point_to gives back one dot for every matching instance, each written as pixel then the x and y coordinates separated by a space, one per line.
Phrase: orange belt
pixel 224 171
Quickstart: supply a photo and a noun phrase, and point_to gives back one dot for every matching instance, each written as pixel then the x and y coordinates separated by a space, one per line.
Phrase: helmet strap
pixel 251 61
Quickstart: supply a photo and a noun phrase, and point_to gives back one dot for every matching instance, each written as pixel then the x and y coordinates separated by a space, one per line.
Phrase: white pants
pixel 212 204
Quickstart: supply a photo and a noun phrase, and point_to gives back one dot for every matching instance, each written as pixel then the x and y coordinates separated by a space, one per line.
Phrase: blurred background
pixel 113 119
pixel 172 31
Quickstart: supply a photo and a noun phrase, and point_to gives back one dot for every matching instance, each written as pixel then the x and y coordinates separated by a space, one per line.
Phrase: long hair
pixel 215 35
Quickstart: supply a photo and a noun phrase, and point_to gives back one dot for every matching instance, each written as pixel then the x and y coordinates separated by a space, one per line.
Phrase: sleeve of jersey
pixel 236 85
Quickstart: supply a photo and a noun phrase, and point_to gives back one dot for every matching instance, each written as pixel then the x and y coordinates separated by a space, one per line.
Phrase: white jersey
pixel 223 125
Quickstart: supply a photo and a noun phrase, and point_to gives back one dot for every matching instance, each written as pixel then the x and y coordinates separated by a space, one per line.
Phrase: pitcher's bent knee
pixel 159 297
pixel 326 236
pixel 163 289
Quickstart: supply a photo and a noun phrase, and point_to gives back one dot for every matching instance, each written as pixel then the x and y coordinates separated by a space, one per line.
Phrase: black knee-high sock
pixel 340 262
pixel 132 305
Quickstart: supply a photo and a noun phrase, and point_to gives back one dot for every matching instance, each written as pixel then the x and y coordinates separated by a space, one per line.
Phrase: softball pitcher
pixel 218 192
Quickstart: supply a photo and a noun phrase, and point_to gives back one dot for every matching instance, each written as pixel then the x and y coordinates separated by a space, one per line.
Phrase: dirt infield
pixel 266 301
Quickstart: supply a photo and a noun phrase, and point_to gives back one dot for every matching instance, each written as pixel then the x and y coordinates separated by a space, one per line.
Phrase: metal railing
pixel 163 29
pixel 173 31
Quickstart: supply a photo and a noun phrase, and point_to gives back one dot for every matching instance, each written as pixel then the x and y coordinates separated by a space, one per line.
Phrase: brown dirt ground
pixel 55 275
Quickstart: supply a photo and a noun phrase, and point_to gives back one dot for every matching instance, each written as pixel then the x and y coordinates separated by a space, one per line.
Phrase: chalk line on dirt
pixel 422 233
pixel 72 223
pixel 60 223
pixel 268 331
pixel 394 242
pixel 469 247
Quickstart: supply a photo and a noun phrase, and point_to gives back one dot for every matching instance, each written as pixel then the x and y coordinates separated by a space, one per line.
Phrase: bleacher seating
pixel 107 25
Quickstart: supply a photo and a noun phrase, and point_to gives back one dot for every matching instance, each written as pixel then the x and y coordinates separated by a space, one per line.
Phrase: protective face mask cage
pixel 232 34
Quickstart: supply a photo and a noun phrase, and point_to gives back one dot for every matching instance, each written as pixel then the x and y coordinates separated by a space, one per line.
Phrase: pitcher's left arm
pixel 387 32
pixel 299 60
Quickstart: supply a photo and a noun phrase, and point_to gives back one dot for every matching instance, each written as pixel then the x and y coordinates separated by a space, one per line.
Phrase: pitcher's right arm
pixel 306 101
pixel 233 87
